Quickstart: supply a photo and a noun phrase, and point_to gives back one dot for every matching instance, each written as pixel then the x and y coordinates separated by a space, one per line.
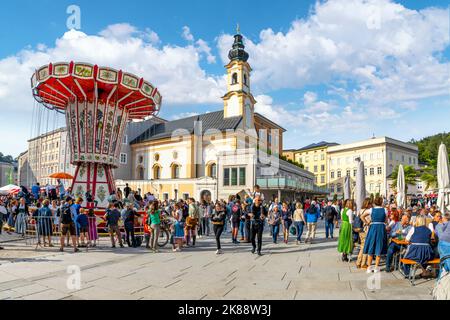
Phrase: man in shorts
pixel 112 218
pixel 68 225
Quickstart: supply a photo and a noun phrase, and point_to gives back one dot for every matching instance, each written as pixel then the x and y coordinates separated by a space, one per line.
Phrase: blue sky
pixel 316 70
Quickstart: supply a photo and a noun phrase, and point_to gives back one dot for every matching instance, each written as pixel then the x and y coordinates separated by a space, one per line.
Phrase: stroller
pixel 441 290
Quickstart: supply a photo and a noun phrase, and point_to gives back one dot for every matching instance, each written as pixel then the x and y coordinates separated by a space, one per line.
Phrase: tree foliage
pixel 411 176
pixel 429 147
pixel 428 154
pixel 7 158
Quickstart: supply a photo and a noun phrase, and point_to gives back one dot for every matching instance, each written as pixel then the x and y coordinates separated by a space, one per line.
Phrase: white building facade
pixel 380 156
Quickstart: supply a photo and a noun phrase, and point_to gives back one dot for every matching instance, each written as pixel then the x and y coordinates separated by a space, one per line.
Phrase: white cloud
pixel 377 51
pixel 175 70
pixel 183 115
pixel 118 31
pixel 187 35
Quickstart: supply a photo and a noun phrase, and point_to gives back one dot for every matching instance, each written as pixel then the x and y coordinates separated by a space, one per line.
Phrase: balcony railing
pixel 292 184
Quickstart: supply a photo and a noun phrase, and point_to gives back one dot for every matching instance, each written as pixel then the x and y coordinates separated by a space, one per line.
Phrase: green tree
pixel 410 177
pixel 429 177
pixel 7 158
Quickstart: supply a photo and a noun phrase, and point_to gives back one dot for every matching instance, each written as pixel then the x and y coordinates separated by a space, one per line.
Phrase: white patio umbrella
pixel 401 190
pixel 443 178
pixel 10 188
pixel 360 189
pixel 347 188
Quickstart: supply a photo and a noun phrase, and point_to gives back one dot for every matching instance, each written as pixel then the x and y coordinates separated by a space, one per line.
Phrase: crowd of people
pixel 376 226
pixel 369 230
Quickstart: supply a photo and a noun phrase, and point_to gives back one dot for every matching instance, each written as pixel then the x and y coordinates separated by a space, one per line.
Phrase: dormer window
pixel 234 78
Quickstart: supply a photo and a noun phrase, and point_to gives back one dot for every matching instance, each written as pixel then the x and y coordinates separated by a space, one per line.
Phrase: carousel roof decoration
pixel 98 102
pixel 56 85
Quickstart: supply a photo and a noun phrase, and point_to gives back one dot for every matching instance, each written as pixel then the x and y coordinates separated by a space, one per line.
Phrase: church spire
pixel 238 50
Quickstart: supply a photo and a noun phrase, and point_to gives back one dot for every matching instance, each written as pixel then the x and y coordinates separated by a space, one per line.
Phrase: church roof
pixel 319 145
pixel 211 120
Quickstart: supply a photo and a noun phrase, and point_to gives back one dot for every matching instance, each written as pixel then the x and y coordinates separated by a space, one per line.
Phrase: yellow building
pixel 218 153
pixel 314 158
pixel 47 154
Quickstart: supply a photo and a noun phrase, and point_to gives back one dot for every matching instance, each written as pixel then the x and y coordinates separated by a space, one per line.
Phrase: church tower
pixel 239 101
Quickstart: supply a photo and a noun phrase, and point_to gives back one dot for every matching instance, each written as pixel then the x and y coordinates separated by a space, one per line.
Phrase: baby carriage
pixel 441 290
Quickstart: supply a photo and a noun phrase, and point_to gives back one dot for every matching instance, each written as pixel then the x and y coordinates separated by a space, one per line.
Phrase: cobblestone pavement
pixel 283 272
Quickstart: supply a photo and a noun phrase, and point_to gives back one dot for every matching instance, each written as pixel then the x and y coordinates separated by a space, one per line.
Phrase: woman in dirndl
pixel 22 213
pixel 376 239
pixel 345 242
pixel 420 249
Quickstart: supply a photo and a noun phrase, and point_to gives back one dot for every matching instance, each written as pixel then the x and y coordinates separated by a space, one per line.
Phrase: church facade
pixel 218 153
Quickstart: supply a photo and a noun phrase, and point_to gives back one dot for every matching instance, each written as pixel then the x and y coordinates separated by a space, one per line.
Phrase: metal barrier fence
pixel 46 231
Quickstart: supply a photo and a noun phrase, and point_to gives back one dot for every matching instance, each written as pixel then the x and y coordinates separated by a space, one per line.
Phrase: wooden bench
pixel 414 265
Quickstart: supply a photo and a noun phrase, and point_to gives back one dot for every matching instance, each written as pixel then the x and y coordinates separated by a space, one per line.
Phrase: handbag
pixel 293 230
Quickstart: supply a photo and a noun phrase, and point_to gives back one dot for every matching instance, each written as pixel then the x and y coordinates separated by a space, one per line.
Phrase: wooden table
pixel 402 243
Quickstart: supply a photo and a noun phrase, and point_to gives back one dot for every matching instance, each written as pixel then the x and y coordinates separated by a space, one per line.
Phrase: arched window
pixel 212 170
pixel 234 78
pixel 245 80
pixel 175 171
pixel 140 173
pixel 156 172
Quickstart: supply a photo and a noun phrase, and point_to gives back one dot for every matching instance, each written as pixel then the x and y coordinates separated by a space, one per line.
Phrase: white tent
pixel 347 188
pixel 360 189
pixel 443 179
pixel 401 190
pixel 11 188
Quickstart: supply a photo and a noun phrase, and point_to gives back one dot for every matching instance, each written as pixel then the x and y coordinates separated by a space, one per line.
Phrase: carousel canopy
pixel 57 85
pixel 9 189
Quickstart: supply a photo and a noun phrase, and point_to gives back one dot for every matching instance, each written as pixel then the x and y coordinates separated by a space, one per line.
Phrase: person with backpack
pixel 273 204
pixel 218 220
pixel 231 200
pixel 235 220
pixel 311 216
pixel 361 228
pixel 112 218
pixel 129 222
pixel 44 223
pixel 242 229
pixel 345 242
pixel 206 210
pixel 75 209
pixel 68 225
pixel 330 215
pixel 83 223
pixel 154 221
pixel 257 216
pixel 192 222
